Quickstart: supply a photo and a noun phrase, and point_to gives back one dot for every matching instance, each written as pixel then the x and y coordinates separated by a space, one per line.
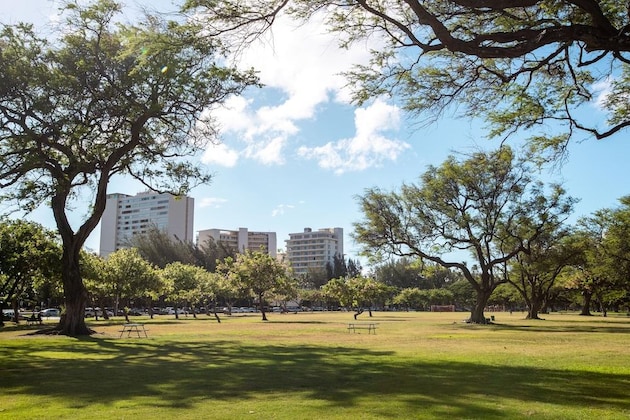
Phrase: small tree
pixel 228 283
pixel 259 274
pixel 131 277
pixel 97 285
pixel 357 293
pixel 410 298
pixel 186 283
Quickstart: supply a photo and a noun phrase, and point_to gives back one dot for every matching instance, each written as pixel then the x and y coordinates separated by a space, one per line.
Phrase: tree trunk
pixel 602 306
pixel 358 312
pixel 214 311
pixel 586 307
pixel 535 304
pixel 16 310
pixel 72 322
pixel 476 314
pixel 102 305
pixel 262 307
pixel 533 311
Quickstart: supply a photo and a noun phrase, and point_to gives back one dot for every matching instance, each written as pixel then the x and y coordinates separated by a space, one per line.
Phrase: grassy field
pixel 308 366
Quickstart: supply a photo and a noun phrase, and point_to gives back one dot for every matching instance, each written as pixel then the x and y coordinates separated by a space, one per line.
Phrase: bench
pixel 369 326
pixel 34 321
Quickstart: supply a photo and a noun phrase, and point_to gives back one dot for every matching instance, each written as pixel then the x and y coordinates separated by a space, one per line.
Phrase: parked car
pixel 8 315
pixel 50 312
pixel 136 312
pixel 90 312
pixel 180 311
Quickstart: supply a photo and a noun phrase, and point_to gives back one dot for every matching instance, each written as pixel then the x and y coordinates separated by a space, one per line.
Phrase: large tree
pixel 603 263
pixel 617 243
pixel 534 272
pixel 99 99
pixel 520 63
pixel 475 206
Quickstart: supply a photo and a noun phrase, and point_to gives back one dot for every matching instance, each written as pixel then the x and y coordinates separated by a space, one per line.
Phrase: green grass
pixel 307 366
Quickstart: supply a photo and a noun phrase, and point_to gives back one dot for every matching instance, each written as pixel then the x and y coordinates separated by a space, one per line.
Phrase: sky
pixel 296 153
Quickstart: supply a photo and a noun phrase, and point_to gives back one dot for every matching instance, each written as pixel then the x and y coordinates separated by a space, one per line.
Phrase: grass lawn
pixel 308 366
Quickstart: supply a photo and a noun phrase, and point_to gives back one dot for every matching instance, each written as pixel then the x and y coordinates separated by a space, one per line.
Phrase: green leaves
pixel 29 255
pixel 105 99
pixel 523 66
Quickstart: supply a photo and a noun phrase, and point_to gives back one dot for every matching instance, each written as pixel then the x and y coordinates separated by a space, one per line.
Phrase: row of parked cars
pixel 9 314
pixel 240 310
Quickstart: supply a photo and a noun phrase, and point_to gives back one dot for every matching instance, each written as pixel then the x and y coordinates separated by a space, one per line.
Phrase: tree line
pixel 513 229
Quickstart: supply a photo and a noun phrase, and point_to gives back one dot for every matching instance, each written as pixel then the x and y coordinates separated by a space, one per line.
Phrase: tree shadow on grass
pixel 565 327
pixel 180 374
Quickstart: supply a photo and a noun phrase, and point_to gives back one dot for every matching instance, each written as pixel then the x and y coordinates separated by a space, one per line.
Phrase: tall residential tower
pixel 127 215
pixel 312 250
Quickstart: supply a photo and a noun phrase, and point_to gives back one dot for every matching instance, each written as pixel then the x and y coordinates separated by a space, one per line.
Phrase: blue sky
pixel 296 154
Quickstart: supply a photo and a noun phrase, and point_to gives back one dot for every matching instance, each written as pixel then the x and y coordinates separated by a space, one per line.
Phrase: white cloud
pixel 280 209
pixel 602 91
pixel 212 202
pixel 368 148
pixel 268 153
pixel 300 66
pixel 220 154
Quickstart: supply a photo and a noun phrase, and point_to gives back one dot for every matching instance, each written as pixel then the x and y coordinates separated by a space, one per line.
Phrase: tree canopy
pixel 28 253
pixel 99 99
pixel 477 206
pixel 520 64
pixel 258 274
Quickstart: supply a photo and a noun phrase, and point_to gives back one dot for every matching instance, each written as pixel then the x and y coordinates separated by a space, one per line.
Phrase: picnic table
pixel 34 320
pixel 130 329
pixel 369 326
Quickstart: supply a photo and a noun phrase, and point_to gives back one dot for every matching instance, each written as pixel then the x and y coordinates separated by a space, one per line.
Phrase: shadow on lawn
pixel 602 327
pixel 179 374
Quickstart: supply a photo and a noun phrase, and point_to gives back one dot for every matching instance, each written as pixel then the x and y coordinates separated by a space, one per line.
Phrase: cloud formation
pixel 300 66
pixel 220 154
pixel 368 148
pixel 280 209
pixel 212 202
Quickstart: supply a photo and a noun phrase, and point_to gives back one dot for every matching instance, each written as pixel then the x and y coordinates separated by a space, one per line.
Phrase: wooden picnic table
pixel 135 328
pixel 369 326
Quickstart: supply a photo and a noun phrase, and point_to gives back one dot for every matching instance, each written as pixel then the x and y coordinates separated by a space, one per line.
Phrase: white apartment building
pixel 241 239
pixel 311 250
pixel 127 215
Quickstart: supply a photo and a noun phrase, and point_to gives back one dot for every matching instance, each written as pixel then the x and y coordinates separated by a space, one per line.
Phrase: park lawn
pixel 308 366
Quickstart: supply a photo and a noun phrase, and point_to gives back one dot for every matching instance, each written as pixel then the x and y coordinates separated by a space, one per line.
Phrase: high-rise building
pixel 127 215
pixel 312 250
pixel 242 239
